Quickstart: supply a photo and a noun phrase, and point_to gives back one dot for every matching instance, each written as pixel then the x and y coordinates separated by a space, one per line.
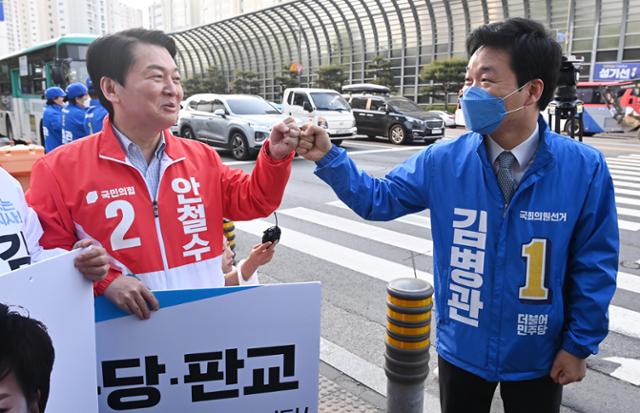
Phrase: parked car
pixel 241 123
pixel 306 104
pixel 276 105
pixel 175 128
pixel 448 118
pixel 368 88
pixel 397 118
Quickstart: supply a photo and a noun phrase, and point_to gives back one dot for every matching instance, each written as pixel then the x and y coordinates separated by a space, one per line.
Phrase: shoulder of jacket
pixel 572 150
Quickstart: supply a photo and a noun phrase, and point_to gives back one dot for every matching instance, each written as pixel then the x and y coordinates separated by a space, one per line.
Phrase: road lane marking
pixel 421 245
pixel 628 371
pixel 345 257
pixel 627 201
pixel 418 220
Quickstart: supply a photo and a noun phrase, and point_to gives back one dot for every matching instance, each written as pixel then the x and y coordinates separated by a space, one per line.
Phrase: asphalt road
pixel 354 259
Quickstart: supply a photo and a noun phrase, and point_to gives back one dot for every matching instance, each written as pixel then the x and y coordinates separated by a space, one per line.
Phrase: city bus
pixel 602 105
pixel 25 75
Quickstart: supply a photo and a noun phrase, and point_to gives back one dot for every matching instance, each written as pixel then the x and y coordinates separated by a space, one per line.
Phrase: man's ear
pixel 536 87
pixel 110 89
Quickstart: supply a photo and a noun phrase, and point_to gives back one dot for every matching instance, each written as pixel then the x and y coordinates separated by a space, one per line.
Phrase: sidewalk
pixel 340 393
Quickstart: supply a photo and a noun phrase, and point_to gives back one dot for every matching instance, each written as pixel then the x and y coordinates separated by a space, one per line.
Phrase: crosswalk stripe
pixel 628 201
pixel 368 152
pixel 628 282
pixel 625 184
pixel 628 212
pixel 620 167
pixel 623 162
pixel 354 260
pixel 621 320
pixel 411 219
pixel 617 178
pixel 624 321
pixel 420 245
pixel 623 172
pixel 627 192
pixel 628 225
pixel 624 158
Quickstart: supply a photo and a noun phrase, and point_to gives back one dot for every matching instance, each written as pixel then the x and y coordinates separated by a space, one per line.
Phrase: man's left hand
pixel 283 139
pixel 568 368
pixel 94 263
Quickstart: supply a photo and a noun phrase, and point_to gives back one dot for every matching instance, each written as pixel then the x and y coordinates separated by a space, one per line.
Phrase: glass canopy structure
pixel 408 33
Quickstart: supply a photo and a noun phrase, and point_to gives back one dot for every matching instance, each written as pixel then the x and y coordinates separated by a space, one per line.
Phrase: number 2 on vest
pixel 118 241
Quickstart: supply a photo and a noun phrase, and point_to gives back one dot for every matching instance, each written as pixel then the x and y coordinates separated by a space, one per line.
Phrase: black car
pixel 396 118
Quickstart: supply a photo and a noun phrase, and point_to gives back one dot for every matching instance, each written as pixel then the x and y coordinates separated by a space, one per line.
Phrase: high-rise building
pixel 176 15
pixel 28 22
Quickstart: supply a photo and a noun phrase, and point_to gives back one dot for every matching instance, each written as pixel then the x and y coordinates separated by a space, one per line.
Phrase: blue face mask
pixel 482 111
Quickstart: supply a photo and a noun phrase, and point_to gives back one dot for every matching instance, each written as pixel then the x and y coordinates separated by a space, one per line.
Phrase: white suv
pixel 240 123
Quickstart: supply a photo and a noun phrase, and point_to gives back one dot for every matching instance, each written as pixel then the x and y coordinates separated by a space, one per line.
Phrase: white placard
pixel 224 350
pixel 55 293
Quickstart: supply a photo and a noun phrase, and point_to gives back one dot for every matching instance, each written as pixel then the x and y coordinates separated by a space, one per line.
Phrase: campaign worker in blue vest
pixel 52 118
pixel 94 116
pixel 73 114
pixel 524 228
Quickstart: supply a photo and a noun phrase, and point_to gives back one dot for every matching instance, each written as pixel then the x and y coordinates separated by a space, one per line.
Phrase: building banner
pixel 611 72
pixel 225 350
pixel 56 294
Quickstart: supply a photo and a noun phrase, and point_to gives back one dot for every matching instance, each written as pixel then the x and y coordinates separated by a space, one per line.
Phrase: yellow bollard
pixel 409 304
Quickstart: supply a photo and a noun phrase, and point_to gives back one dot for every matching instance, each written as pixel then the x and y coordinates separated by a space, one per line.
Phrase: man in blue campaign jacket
pixel 524 227
pixel 52 118
pixel 73 113
pixel 94 116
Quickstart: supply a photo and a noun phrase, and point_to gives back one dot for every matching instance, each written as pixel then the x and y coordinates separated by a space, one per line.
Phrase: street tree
pixel 331 76
pixel 379 69
pixel 246 82
pixel 212 81
pixel 447 77
pixel 287 79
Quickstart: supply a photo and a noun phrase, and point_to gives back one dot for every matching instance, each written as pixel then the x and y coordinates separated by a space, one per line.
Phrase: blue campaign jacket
pixel 73 123
pixel 94 117
pixel 52 127
pixel 513 285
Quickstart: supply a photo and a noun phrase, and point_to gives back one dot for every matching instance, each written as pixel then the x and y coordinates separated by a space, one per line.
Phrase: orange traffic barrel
pixel 18 160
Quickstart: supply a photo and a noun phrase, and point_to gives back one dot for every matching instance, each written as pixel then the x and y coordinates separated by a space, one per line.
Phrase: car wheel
pixel 397 134
pixel 572 124
pixel 239 146
pixel 187 133
pixel 336 142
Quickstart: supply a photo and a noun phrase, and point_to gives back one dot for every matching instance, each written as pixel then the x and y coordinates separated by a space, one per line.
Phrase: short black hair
pixel 111 56
pixel 534 53
pixel 26 351
pixel 51 102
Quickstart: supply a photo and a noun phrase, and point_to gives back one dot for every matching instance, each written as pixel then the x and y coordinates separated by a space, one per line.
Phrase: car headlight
pixel 261 136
